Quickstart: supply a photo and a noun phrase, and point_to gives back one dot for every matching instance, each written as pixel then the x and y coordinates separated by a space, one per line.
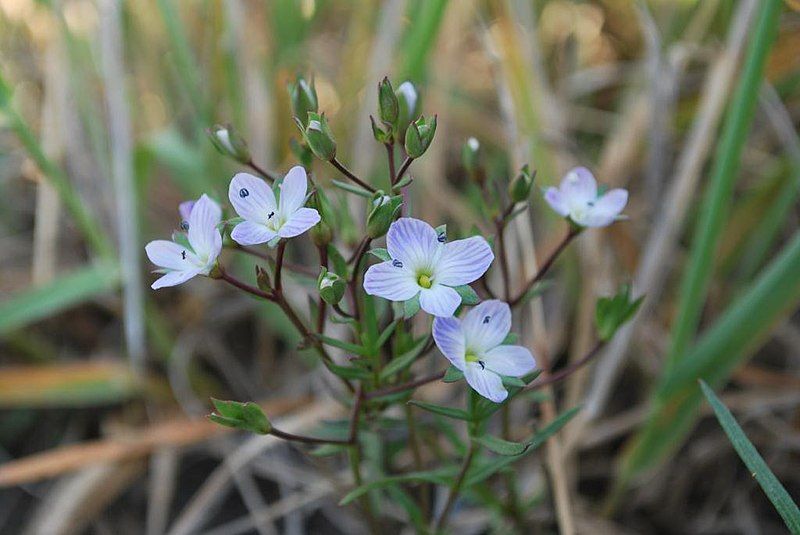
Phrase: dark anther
pixel 269 216
pixel 442 237
pixel 243 193
pixel 183 255
pixel 184 225
pixel 591 203
pixel 483 366
pixel 486 319
pixel 397 263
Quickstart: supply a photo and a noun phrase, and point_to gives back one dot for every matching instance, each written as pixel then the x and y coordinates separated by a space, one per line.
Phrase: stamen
pixel 442 237
pixel 243 193
pixel 184 225
pixel 183 255
pixel 397 263
pixel 486 319
pixel 425 281
pixel 269 216
pixel 483 365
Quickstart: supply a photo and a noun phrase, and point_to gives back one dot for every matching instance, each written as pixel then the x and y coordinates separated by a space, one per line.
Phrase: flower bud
pixel 408 106
pixel 247 416
pixel 611 313
pixel 381 134
pixel 318 136
pixel 470 155
pixel 304 99
pixel 331 287
pixel 262 279
pixel 419 136
pixel 229 143
pixel 520 187
pixel 387 102
pixel 384 209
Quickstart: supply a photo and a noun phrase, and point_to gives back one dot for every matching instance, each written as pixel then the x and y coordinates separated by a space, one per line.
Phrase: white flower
pixel 425 264
pixel 577 199
pixel 265 219
pixel 473 345
pixel 181 261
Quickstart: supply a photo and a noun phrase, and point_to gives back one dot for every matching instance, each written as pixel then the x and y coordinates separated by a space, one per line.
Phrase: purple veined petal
pixel 578 187
pixel 174 278
pixel 413 242
pixel 439 300
pixel 486 325
pixel 555 199
pixel 449 339
pixel 204 237
pixel 250 233
pixel 486 383
pixel 299 221
pixel 606 209
pixel 185 209
pixel 515 361
pixel 390 282
pixel 463 261
pixel 252 198
pixel 293 190
pixel 170 255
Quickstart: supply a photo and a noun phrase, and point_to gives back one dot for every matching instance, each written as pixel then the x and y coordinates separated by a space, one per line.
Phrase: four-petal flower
pixel 577 198
pixel 181 261
pixel 474 346
pixel 425 264
pixel 265 219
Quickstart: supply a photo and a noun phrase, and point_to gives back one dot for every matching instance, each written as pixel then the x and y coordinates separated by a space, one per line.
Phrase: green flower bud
pixel 331 287
pixel 382 135
pixel 419 136
pixel 262 279
pixel 470 155
pixel 304 99
pixel 384 209
pixel 247 416
pixel 408 106
pixel 520 187
pixel 388 104
pixel 611 313
pixel 318 136
pixel 229 143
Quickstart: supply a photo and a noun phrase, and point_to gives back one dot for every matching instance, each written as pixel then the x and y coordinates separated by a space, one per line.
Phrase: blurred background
pixel 104 383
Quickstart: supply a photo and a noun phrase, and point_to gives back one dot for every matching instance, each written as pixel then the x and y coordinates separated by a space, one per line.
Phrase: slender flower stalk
pixel 349 174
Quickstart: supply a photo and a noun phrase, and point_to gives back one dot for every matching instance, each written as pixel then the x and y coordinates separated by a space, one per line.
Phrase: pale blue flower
pixel 425 264
pixel 197 251
pixel 474 346
pixel 577 198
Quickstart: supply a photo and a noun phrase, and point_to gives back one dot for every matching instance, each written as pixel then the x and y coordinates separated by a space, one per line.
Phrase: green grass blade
pixel 60 294
pixel 723 177
pixel 755 463
pixel 420 38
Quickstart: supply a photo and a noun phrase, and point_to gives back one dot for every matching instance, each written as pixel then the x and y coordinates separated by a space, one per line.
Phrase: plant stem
pixel 501 252
pixel 267 175
pixel 252 290
pixel 306 440
pixel 403 168
pixel 390 157
pixel 279 267
pixel 569 370
pixel 322 307
pixel 346 172
pixel 455 489
pixel 339 310
pixel 405 386
pixel 573 232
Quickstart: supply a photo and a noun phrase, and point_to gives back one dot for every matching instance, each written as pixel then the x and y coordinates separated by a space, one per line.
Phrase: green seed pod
pixel 331 287
pixel 304 99
pixel 387 103
pixel 319 137
pixel 520 187
pixel 419 136
pixel 384 209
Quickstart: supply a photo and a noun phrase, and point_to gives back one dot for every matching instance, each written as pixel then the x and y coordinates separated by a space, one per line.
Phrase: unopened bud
pixel 229 143
pixel 470 155
pixel 520 187
pixel 388 104
pixel 318 136
pixel 304 99
pixel 247 416
pixel 262 280
pixel 380 133
pixel 331 287
pixel 384 209
pixel 419 136
pixel 408 106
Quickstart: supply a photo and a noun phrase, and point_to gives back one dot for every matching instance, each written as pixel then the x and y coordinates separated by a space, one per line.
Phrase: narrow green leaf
pixel 405 360
pixel 450 412
pixel 500 446
pixel 349 372
pixel 341 344
pixel 440 476
pixel 755 463
pixel 352 189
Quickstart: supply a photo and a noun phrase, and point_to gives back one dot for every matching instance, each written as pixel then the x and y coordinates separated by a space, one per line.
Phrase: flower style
pixel 473 345
pixel 425 264
pixel 265 219
pixel 184 258
pixel 578 199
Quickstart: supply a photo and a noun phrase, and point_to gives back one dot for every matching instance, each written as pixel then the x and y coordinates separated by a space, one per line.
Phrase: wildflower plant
pixel 403 291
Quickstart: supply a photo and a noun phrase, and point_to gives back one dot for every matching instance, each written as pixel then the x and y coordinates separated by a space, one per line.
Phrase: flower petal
pixel 293 190
pixel 173 278
pixel 185 209
pixel 169 255
pixel 390 282
pixel 439 300
pixel 449 339
pixel 204 237
pixel 555 199
pixel 413 242
pixel 578 187
pixel 300 221
pixel 486 325
pixel 251 197
pixel 250 233
pixel 606 209
pixel 515 361
pixel 463 261
pixel 486 383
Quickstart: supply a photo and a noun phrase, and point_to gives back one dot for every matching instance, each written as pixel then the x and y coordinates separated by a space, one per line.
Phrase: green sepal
pixel 380 253
pixel 468 296
pixel 452 375
pixel 411 307
pixel 613 312
pixel 247 416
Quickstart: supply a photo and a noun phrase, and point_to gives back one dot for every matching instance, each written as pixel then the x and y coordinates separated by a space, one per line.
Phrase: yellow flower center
pixel 424 281
pixel 471 357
